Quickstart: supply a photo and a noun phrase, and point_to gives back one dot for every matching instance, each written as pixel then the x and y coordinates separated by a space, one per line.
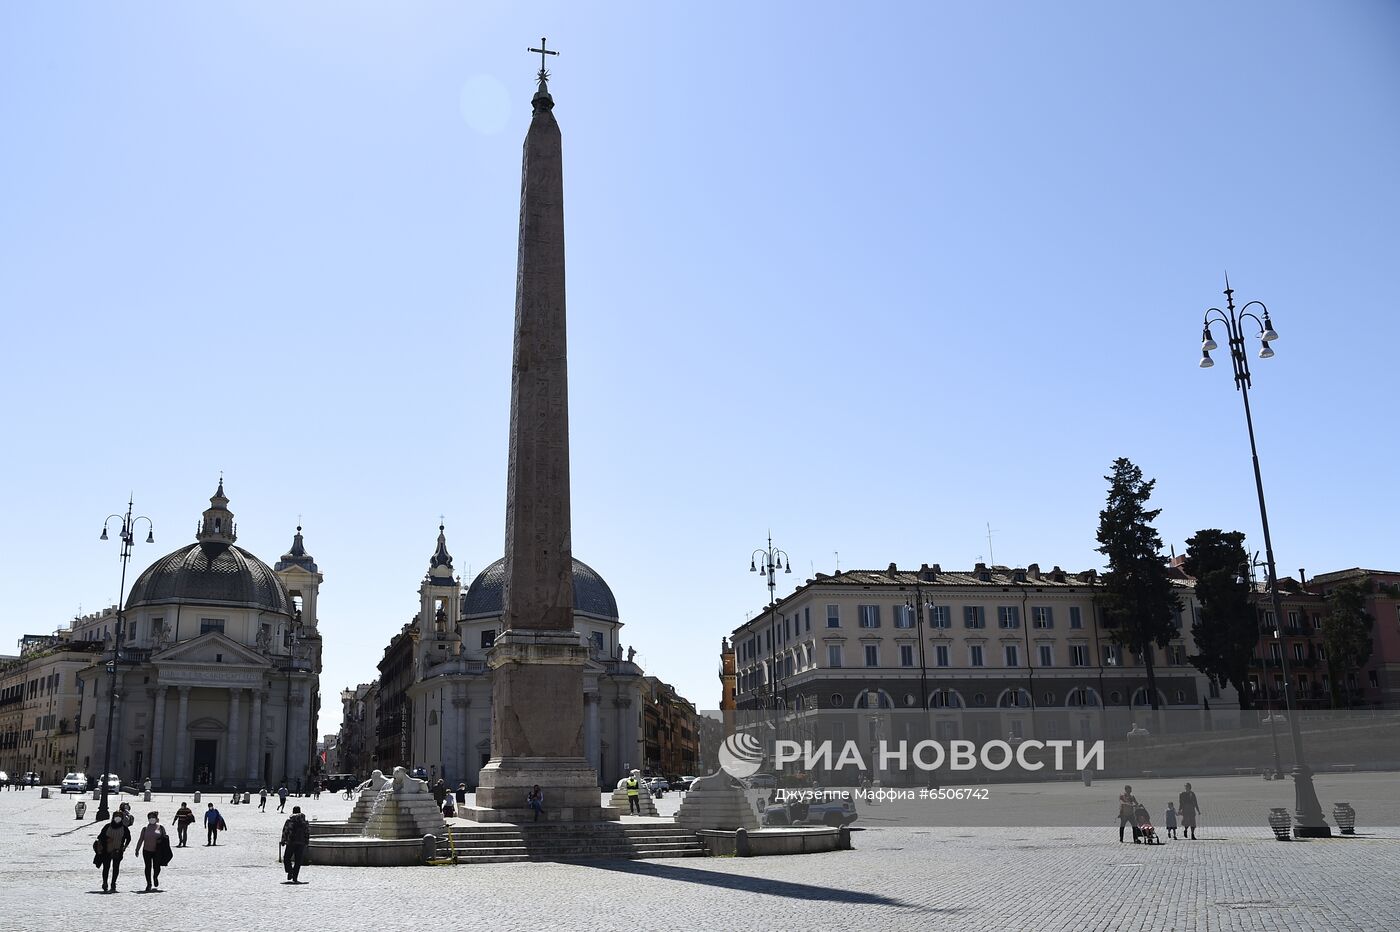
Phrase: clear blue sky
pixel 871 276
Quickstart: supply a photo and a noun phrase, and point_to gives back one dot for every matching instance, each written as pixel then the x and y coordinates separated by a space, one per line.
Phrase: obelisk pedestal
pixel 537 732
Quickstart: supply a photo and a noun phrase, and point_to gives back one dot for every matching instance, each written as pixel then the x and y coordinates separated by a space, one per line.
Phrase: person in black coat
pixel 109 847
pixel 296 835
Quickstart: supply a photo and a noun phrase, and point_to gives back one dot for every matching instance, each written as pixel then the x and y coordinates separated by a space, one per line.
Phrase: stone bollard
pixel 196 795
pixel 741 843
pixel 44 792
pixel 245 799
pixel 843 838
pixel 1087 776
pixel 80 808
pixel 429 847
pixel 146 796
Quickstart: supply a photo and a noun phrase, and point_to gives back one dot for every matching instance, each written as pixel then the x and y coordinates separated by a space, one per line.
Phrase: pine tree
pixel 1138 600
pixel 1346 632
pixel 1228 628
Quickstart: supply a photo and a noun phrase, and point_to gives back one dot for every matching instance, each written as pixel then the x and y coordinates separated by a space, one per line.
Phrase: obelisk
pixel 538 659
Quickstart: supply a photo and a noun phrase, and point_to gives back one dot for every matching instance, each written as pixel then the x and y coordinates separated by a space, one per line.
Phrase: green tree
pixel 1137 598
pixel 1346 633
pixel 1228 628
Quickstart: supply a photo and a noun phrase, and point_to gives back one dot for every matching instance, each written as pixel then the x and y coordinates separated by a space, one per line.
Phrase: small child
pixel 1171 820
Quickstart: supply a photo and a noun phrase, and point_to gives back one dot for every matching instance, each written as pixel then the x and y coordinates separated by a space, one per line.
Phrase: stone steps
pixel 506 858
pixel 572 843
pixel 562 842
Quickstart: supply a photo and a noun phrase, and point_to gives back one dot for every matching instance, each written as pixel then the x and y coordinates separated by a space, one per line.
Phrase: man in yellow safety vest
pixel 634 787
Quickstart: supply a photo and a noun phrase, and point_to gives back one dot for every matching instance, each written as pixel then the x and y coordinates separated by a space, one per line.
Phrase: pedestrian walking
pixel 296 835
pixel 127 818
pixel 1189 808
pixel 154 845
pixel 634 793
pixel 184 818
pixel 108 849
pixel 1127 811
pixel 316 790
pixel 262 799
pixel 461 794
pixel 282 797
pixel 535 800
pixel 213 825
pixel 1170 820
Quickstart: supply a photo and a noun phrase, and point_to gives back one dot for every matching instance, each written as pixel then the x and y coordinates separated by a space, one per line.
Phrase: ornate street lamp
pixel 1308 820
pixel 127 534
pixel 918 606
pixel 767 562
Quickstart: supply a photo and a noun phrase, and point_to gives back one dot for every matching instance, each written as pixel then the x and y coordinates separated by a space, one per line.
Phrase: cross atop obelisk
pixel 543 76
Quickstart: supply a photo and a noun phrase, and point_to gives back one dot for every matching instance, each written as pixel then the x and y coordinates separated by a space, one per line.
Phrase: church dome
pixel 486 595
pixel 212 571
pixel 230 576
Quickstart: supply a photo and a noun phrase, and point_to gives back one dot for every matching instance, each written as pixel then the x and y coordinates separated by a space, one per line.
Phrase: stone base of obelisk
pixel 537 733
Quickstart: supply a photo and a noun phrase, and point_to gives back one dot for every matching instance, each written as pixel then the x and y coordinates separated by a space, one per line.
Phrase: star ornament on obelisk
pixel 537 663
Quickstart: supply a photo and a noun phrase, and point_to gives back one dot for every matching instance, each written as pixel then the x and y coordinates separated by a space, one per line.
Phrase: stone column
pixel 620 749
pixel 590 732
pixel 234 757
pixel 631 746
pixel 460 732
pixel 255 740
pixel 182 724
pixel 158 737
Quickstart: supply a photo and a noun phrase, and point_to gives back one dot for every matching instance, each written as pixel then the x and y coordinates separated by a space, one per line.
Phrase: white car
pixel 114 783
pixel 75 783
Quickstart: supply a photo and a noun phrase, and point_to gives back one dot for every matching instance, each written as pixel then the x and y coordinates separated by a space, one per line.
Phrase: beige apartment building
pixel 1025 650
pixel 40 706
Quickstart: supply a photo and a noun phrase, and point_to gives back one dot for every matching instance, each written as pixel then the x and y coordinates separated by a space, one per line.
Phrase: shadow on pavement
pixel 746 884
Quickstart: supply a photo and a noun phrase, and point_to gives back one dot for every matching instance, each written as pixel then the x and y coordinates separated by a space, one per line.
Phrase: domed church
pixel 446 720
pixel 219 679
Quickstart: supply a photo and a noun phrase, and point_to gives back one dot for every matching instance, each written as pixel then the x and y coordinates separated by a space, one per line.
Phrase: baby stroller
pixel 1144 828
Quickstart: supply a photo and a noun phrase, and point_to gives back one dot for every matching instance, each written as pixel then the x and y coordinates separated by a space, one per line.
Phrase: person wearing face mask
pixel 154 845
pixel 109 847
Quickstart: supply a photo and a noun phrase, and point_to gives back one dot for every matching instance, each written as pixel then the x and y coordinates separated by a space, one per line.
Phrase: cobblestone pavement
pixel 899 877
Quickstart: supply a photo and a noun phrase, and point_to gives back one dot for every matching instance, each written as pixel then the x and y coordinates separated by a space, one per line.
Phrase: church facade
pixel 218 668
pixel 443 722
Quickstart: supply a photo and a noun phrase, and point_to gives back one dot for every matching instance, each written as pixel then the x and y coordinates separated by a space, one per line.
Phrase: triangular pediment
pixel 211 648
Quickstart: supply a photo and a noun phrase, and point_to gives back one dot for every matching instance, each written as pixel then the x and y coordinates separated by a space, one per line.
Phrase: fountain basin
pixel 773 841
pixel 359 851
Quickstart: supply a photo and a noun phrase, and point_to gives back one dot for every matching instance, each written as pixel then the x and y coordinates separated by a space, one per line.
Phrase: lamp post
pixel 127 535
pixel 1272 717
pixel 767 562
pixel 918 607
pixel 1308 820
